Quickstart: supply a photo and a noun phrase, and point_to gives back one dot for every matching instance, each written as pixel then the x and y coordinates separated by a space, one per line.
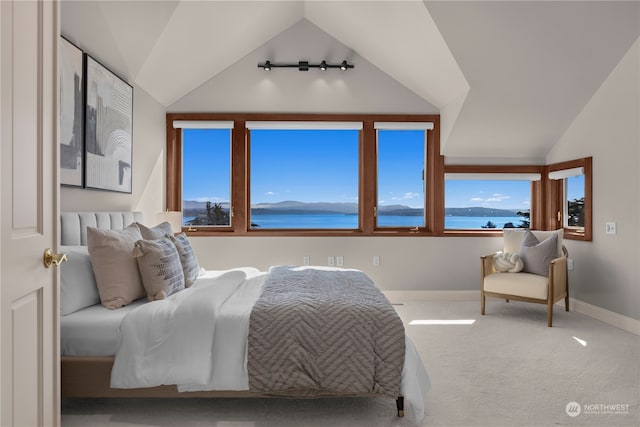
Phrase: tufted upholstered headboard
pixel 73 225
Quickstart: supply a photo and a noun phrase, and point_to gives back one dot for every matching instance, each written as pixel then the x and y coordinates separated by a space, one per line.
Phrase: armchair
pixel 527 286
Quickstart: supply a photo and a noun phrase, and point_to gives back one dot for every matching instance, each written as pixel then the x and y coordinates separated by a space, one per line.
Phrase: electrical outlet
pixel 570 263
pixel 610 228
pixel 306 260
pixel 331 261
pixel 376 260
pixel 340 261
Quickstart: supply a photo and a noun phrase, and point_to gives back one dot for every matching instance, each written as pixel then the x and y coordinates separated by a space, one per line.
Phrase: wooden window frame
pixel 546 194
pixel 367 170
pixel 537 203
pixel 555 199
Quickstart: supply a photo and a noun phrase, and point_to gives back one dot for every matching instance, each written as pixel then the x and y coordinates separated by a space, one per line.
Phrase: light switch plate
pixel 610 228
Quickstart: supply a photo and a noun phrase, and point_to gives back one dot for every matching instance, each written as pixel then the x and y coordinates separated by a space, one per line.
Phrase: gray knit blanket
pixel 319 331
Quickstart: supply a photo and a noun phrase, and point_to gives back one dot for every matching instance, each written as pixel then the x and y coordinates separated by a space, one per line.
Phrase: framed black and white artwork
pixel 108 129
pixel 71 115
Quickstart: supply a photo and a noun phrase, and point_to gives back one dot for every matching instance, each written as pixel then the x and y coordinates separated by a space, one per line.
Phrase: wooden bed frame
pixel 90 377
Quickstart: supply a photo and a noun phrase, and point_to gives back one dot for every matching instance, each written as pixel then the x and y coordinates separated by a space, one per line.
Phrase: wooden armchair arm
pixel 558 276
pixel 487 264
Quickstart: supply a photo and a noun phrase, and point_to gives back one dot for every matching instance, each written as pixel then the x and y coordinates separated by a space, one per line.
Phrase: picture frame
pixel 71 143
pixel 108 129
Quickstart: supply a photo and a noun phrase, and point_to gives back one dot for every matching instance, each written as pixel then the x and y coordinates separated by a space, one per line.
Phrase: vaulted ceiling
pixel 507 77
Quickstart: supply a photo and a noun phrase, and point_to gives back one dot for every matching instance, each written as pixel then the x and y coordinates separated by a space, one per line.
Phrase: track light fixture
pixel 305 65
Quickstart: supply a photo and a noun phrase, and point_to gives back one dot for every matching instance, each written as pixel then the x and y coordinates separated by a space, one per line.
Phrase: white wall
pixel 608 129
pixel 406 263
pixel 244 87
pixel 148 167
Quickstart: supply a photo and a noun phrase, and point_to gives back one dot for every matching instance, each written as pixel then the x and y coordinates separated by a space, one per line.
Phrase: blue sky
pixel 207 153
pixel 489 194
pixel 322 166
pixel 304 165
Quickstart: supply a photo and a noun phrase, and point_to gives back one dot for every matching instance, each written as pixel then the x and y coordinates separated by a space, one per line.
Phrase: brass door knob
pixel 49 258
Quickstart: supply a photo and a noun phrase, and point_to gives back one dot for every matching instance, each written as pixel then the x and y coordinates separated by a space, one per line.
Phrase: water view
pixel 341 221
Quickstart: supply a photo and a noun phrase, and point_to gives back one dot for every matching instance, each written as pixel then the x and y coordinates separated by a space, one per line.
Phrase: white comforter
pixel 197 339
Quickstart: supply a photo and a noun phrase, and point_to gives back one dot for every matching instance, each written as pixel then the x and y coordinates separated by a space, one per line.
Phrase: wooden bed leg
pixel 400 406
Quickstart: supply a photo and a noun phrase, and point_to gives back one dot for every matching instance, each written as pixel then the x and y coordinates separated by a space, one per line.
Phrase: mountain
pixel 479 211
pixel 292 207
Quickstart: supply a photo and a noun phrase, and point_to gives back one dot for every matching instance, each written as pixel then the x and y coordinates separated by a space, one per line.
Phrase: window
pixel 206 178
pixel 401 172
pixel 574 201
pixel 356 175
pixel 570 198
pixel 304 175
pixel 477 201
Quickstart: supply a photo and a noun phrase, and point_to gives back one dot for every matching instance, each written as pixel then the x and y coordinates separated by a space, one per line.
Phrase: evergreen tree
pixel 575 214
pixel 526 222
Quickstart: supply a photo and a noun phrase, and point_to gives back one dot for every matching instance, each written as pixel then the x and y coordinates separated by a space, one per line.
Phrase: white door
pixel 28 196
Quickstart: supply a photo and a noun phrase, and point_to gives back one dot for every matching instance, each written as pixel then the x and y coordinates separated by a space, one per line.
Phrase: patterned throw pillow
pixel 160 267
pixel 190 264
pixel 157 232
pixel 537 255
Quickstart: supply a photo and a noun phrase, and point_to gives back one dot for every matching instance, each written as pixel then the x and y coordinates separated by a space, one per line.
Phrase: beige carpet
pixel 506 369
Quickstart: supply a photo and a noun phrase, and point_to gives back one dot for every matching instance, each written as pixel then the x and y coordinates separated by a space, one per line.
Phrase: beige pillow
pixel 115 269
pixel 160 267
pixel 157 232
pixel 190 265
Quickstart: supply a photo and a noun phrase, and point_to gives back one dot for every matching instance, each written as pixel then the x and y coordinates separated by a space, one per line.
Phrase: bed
pixel 125 352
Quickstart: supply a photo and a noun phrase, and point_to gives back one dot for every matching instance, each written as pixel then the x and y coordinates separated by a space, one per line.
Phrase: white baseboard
pixel 400 296
pixel 614 319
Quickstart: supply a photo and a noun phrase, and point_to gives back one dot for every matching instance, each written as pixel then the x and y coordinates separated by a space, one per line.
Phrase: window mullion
pixel 368 177
pixel 239 179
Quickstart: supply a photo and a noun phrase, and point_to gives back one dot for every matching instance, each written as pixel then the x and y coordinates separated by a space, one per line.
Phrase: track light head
pixel 344 66
pixel 323 65
pixel 267 66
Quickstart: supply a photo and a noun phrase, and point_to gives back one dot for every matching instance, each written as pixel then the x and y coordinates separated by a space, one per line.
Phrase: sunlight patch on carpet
pixel 443 322
pixel 583 342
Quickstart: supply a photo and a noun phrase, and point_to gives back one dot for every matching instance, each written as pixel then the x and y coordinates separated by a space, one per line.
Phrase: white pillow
pixel 78 287
pixel 114 266
pixel 505 262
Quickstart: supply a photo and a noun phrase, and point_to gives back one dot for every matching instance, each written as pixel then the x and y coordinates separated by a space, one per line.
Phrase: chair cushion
pixel 520 284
